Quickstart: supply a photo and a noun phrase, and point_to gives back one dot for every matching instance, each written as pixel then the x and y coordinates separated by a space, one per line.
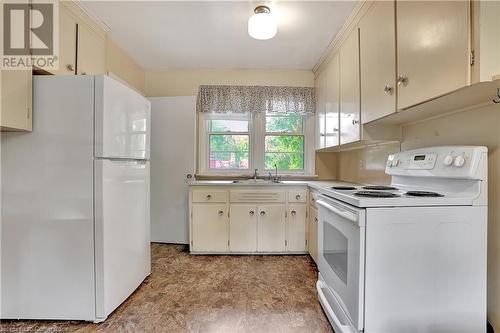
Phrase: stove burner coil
pixel 344 188
pixel 380 188
pixel 376 194
pixel 423 194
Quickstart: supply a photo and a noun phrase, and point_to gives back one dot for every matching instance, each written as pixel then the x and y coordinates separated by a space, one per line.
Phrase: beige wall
pixel 185 82
pixel 121 66
pixel 478 126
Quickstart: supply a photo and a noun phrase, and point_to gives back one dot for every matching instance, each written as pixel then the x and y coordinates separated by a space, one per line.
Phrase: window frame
pixel 257 134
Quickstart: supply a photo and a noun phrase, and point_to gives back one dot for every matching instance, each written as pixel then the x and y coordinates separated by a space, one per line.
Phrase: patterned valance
pixel 255 99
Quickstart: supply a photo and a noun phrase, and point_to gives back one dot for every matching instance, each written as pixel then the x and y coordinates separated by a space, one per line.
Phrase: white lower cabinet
pixel 248 220
pixel 297 228
pixel 243 228
pixel 209 222
pixel 271 228
pixel 312 233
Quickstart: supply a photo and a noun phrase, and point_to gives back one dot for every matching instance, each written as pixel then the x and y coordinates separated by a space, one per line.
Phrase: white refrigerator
pixel 75 239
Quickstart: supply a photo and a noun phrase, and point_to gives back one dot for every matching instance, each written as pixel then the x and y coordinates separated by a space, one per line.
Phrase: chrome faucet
pixel 276 178
pixel 255 174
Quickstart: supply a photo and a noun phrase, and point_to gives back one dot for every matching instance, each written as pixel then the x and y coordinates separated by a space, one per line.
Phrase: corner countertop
pixel 315 184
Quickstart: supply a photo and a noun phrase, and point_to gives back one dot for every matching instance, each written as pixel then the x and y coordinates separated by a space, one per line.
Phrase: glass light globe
pixel 262 25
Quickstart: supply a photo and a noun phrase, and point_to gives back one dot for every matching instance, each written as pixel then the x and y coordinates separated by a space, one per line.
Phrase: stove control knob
pixel 459 161
pixel 395 162
pixel 448 160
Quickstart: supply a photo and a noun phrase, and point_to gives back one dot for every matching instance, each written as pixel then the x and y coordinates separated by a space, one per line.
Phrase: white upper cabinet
pixel 91 51
pixel 320 91
pixel 332 102
pixel 349 89
pixel 432 49
pixel 378 61
pixel 67 43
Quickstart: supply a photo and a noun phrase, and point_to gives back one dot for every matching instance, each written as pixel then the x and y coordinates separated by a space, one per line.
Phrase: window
pixel 237 144
pixel 284 142
pixel 229 144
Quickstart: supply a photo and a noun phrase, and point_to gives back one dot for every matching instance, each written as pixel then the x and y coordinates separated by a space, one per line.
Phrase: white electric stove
pixel 410 256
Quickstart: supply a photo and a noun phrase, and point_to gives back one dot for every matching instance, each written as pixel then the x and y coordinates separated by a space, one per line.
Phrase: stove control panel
pixel 461 162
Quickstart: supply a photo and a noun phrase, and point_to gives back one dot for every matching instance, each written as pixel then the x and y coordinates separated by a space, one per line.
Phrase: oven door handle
pixel 347 215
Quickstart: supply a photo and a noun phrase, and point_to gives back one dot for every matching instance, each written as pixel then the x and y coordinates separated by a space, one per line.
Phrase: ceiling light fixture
pixel 262 24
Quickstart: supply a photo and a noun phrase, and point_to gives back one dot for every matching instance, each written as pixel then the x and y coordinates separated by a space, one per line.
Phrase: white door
pixel 172 159
pixel 209 227
pixel 341 244
pixel 243 228
pixel 271 228
pixel 121 230
pixel 122 120
pixel 297 228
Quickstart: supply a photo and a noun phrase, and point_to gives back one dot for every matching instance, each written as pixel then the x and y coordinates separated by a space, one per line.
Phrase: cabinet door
pixel 320 91
pixel 312 234
pixel 91 51
pixel 332 102
pixel 209 227
pixel 349 89
pixel 243 228
pixel 297 228
pixel 16 108
pixel 67 43
pixel 271 228
pixel 377 38
pixel 433 49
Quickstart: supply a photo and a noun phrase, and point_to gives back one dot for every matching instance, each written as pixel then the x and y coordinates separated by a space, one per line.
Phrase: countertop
pixel 316 184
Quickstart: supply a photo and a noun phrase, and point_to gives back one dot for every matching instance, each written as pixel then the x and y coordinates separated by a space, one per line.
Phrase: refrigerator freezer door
pixel 47 218
pixel 122 231
pixel 122 121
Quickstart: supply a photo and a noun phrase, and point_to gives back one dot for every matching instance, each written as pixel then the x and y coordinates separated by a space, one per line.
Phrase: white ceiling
pixel 213 34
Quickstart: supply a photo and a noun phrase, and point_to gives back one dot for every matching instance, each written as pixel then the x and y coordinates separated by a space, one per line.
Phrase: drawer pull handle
pixel 262 213
pixel 293 213
pixel 297 197
pixel 209 197
pixel 221 212
pixel 251 213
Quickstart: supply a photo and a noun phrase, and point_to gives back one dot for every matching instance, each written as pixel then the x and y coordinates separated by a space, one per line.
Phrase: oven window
pixel 335 247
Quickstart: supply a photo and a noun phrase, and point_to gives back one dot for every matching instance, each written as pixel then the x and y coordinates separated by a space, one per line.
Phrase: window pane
pixel 228 151
pixel 285 143
pixel 284 161
pixel 286 151
pixel 228 125
pixel 291 123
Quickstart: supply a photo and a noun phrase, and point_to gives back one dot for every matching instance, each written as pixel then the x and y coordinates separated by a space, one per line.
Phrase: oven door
pixel 341 257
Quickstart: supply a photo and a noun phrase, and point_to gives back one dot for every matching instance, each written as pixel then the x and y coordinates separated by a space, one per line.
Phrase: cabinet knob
pixel 70 68
pixel 402 80
pixel 355 122
pixel 388 89
pixel 335 130
pixel 221 212
pixel 262 213
pixel 251 213
pixel 209 197
pixel 293 213
pixel 297 197
pixel 316 219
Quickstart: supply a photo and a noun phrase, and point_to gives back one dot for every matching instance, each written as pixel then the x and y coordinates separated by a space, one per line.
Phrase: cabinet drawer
pixel 259 196
pixel 210 196
pixel 297 196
